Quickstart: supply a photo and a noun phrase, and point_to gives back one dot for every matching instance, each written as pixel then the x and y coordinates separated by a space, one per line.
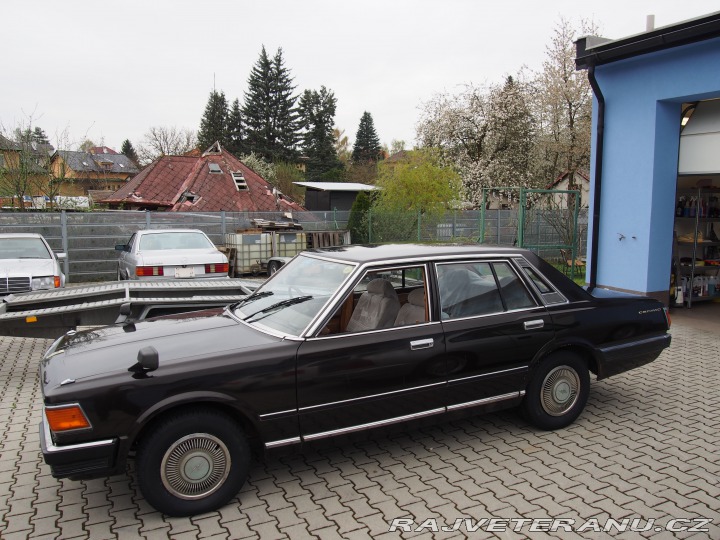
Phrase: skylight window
pixel 214 168
pixel 240 182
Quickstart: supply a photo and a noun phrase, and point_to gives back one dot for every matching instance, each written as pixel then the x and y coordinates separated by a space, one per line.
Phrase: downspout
pixel 600 131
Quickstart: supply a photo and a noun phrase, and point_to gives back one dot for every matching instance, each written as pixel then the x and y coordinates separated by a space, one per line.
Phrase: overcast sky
pixel 108 71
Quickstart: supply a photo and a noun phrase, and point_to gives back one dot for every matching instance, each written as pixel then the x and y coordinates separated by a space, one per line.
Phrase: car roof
pixel 382 252
pixel 153 231
pixel 20 235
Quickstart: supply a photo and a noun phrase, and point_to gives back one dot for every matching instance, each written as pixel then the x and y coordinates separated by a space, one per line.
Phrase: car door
pixel 352 376
pixel 493 328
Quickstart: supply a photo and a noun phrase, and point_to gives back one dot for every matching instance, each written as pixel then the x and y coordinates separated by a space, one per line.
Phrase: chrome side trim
pixel 491 374
pixel 486 401
pixel 276 413
pixel 371 396
pixel 283 442
pixel 369 425
pixel 51 448
pixel 366 332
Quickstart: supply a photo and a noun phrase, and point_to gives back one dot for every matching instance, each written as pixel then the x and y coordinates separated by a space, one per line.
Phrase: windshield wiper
pixel 250 298
pixel 278 305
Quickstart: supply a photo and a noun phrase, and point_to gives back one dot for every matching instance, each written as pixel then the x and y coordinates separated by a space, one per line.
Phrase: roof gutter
pixel 597 191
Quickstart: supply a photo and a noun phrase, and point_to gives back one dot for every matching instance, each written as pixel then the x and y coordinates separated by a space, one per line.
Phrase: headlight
pixel 47 282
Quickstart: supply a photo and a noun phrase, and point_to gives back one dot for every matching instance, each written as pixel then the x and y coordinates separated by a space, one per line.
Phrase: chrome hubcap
pixel 195 466
pixel 560 390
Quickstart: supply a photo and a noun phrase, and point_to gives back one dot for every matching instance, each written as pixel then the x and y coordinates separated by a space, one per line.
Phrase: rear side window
pixel 539 283
pixel 549 294
pixel 480 288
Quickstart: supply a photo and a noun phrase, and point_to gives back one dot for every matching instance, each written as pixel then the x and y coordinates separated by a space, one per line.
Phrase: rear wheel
pixel 192 462
pixel 558 392
pixel 273 266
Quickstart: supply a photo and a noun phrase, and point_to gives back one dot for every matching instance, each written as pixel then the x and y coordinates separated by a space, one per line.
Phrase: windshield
pixel 23 248
pixel 174 240
pixel 289 301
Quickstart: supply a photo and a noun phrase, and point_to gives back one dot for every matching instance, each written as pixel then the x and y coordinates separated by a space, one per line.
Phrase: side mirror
pixel 124 313
pixel 61 256
pixel 148 358
pixel 120 247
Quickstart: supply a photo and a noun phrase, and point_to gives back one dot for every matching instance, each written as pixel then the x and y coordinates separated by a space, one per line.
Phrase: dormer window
pixel 240 182
pixel 190 197
pixel 214 168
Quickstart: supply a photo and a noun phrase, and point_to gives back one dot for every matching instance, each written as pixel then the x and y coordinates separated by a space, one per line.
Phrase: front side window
pixel 469 289
pixel 292 299
pixel 381 299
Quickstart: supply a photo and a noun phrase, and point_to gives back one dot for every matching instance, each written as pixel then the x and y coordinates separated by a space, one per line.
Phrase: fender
pixel 177 400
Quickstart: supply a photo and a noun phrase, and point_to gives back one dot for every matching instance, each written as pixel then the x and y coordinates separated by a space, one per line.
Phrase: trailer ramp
pixel 49 314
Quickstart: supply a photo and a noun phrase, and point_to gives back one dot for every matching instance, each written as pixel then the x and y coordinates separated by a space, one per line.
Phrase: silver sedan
pixel 163 254
pixel 28 264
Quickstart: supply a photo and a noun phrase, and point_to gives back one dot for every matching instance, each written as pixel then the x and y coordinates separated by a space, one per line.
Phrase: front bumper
pixel 84 460
pixel 621 357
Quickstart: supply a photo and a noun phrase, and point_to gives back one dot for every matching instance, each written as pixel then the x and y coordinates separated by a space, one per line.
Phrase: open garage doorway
pixel 695 281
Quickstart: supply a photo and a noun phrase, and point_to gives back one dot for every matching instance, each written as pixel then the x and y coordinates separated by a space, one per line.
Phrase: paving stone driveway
pixel 646 447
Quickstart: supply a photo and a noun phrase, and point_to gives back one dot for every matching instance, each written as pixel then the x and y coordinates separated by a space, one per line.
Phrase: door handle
pixel 421 344
pixel 534 325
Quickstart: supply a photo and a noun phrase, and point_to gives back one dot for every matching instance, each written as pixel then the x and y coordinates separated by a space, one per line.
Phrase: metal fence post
pixel 419 218
pixel 223 227
pixel 147 219
pixel 65 244
pixel 481 240
pixel 521 219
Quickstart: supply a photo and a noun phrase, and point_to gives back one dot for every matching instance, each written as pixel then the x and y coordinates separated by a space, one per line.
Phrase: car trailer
pixel 49 314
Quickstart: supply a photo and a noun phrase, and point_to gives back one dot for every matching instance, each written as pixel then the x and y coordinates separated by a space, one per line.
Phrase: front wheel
pixel 192 462
pixel 558 392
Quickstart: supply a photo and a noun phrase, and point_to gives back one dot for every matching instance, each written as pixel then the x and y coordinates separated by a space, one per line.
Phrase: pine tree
pixel 286 113
pixel 128 151
pixel 236 143
pixel 317 116
pixel 213 126
pixel 39 136
pixel 367 144
pixel 269 111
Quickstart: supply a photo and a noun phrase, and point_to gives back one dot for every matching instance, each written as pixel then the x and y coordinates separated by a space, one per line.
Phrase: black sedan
pixel 340 340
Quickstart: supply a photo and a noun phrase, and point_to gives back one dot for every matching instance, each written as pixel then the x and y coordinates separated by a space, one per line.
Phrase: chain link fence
pixel 89 238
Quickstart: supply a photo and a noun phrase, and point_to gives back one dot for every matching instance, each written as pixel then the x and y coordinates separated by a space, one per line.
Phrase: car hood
pixel 99 352
pixel 27 267
pixel 170 257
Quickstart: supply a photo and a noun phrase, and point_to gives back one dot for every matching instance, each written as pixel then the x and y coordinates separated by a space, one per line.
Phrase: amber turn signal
pixel 66 418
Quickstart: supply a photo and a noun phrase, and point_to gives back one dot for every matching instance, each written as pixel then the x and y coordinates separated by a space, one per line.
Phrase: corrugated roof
pixel 336 186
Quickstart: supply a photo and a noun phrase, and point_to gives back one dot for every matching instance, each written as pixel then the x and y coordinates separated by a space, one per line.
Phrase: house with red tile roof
pixel 209 182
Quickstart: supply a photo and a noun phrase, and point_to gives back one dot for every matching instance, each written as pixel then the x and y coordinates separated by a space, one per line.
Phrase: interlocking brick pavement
pixel 646 447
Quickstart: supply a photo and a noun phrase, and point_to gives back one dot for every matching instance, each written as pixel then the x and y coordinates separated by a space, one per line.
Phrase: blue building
pixel 655 154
